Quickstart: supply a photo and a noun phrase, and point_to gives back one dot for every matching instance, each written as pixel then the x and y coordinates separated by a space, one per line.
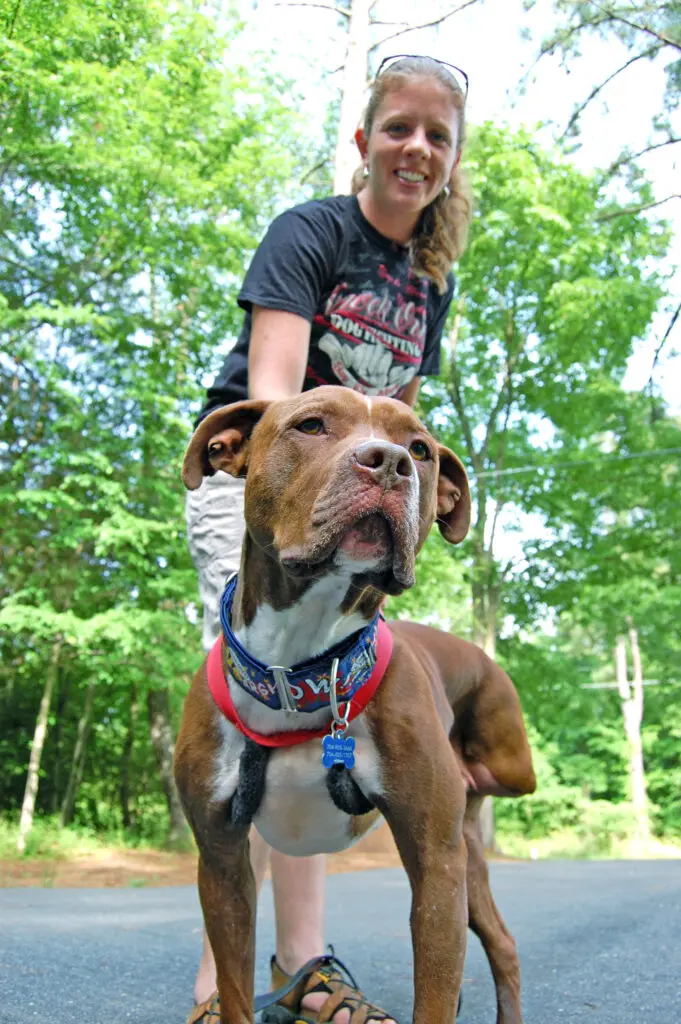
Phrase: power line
pixel 615 686
pixel 575 463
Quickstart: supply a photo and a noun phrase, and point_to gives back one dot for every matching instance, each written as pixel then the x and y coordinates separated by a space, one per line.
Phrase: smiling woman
pixel 351 290
pixel 411 140
pixel 354 290
pixel 410 152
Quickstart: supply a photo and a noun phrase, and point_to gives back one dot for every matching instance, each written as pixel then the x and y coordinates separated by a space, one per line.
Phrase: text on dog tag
pixel 338 750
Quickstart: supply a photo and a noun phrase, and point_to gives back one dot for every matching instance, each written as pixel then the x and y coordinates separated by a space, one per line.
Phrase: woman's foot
pixel 327 993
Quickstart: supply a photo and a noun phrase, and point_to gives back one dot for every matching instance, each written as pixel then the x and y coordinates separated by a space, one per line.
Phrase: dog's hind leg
pixel 424 807
pixel 486 922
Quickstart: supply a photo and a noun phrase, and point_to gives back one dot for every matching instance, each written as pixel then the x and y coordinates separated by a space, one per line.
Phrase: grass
pixel 47 841
pixel 568 845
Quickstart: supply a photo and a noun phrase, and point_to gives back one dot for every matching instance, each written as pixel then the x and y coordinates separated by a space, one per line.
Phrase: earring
pixel 446 192
pixel 365 171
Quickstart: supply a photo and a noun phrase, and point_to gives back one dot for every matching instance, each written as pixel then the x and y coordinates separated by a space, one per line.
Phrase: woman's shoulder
pixel 330 212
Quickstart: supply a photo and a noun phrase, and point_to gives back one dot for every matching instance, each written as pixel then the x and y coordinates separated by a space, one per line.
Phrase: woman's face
pixel 412 145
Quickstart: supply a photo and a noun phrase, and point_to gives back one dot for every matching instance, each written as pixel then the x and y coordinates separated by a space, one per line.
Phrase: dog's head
pixel 335 480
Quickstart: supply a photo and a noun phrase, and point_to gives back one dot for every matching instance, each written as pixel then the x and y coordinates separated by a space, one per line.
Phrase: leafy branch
pixel 612 15
pixel 627 210
pixel 626 158
pixel 579 110
pixel 425 24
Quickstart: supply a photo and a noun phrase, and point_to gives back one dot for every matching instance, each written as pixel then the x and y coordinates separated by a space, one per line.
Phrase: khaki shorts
pixel 215 530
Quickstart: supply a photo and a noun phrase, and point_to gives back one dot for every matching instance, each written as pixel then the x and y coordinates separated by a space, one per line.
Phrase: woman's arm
pixel 277 354
pixel 410 393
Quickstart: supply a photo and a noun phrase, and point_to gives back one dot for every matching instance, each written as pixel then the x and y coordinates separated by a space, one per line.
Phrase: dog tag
pixel 338 750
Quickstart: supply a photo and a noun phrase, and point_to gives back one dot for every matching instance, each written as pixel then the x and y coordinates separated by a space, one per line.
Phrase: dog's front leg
pixel 228 899
pixel 424 806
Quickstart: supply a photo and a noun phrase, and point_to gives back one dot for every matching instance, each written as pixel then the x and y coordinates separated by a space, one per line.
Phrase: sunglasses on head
pixel 459 76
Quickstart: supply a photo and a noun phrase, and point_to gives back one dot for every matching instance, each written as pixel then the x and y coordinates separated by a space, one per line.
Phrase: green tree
pixel 611 569
pixel 553 291
pixel 139 166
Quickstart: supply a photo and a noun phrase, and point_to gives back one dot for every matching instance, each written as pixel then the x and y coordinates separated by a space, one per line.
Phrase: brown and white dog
pixel 341 492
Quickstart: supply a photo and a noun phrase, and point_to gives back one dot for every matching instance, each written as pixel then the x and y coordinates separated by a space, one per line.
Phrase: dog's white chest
pixel 297 815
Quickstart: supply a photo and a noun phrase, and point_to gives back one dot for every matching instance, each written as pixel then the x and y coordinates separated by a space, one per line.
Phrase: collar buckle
pixel 286 698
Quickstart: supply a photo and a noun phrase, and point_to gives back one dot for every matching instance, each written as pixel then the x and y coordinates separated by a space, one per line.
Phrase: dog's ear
pixel 453 497
pixel 221 442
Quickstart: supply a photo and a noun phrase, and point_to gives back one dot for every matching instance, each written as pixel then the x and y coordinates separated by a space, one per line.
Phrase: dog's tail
pixel 491 732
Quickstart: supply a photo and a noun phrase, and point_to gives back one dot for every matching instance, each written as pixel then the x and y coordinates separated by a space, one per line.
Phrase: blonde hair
pixel 442 228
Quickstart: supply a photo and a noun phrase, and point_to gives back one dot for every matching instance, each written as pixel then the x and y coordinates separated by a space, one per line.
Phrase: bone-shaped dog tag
pixel 338 749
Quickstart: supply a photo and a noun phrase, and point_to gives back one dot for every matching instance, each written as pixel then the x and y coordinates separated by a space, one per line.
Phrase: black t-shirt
pixel 375 324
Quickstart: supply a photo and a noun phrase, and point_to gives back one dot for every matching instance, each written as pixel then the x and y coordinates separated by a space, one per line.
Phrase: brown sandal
pixel 327 976
pixel 322 976
pixel 206 1013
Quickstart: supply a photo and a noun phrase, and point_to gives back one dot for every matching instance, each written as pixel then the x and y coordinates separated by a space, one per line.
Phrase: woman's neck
pixel 398 227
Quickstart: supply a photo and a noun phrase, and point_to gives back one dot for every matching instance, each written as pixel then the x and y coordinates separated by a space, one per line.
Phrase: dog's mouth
pixel 372 546
pixel 369 540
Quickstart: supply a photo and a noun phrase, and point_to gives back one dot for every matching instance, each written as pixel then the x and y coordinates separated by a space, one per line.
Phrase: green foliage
pixel 558 283
pixel 601 830
pixel 554 806
pixel 662 743
pixel 140 164
pixel 49 842
pixel 563 812
pixel 440 597
pixel 554 290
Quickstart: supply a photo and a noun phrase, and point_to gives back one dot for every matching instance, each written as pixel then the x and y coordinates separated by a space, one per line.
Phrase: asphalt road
pixel 599 943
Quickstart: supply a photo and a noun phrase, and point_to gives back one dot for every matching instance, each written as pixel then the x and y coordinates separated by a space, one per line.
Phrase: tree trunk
pixel 352 94
pixel 78 759
pixel 631 696
pixel 158 706
pixel 485 605
pixel 55 775
pixel 479 585
pixel 489 640
pixel 126 760
pixel 33 777
pixel 485 596
pixel 479 611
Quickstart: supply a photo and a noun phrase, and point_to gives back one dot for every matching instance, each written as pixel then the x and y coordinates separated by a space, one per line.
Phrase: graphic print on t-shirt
pixel 372 329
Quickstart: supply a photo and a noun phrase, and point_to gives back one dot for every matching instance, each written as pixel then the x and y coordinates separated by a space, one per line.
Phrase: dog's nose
pixel 386 463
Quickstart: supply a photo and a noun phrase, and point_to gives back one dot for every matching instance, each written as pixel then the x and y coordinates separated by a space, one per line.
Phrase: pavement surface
pixel 600 942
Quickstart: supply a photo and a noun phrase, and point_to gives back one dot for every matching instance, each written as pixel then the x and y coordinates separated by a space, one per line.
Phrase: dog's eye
pixel 419 451
pixel 312 425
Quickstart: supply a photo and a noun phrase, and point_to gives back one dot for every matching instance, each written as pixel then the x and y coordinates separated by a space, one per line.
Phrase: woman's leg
pixel 298 886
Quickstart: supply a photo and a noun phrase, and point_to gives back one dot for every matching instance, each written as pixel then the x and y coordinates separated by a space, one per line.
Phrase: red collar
pixel 223 698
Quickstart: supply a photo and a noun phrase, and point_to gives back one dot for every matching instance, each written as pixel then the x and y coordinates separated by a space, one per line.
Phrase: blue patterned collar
pixel 306 686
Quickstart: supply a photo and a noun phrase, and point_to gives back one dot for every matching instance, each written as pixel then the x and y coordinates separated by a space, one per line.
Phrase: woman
pixel 350 290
